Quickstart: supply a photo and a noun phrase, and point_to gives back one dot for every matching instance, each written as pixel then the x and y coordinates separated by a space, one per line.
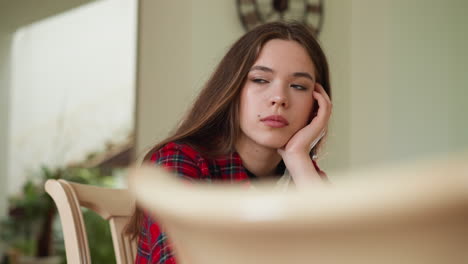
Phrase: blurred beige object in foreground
pixel 411 213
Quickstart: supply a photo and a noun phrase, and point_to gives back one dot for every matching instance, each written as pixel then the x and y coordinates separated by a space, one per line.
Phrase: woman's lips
pixel 275 121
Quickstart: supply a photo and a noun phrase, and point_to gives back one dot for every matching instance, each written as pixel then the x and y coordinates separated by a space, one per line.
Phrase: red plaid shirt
pixel 153 246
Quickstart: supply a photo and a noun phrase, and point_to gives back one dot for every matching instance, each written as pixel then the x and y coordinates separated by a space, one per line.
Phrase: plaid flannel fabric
pixel 153 245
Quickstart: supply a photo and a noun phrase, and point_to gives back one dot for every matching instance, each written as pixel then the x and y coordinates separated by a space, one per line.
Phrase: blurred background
pixel 88 85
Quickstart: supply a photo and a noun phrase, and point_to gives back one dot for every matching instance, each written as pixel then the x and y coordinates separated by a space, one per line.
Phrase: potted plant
pixel 27 230
pixel 31 230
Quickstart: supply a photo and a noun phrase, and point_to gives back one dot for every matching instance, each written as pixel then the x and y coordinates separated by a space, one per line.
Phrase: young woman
pixel 264 111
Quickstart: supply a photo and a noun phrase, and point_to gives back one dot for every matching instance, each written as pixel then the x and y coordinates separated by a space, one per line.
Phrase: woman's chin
pixel 267 140
pixel 275 143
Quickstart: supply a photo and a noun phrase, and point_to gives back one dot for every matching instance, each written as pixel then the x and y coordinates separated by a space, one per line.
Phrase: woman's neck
pixel 260 160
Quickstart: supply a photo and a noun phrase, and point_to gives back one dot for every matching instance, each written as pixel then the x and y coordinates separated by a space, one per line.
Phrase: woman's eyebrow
pixel 261 68
pixel 296 74
pixel 303 74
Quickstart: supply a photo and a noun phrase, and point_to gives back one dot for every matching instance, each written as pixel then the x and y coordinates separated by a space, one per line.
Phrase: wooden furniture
pixel 408 214
pixel 114 205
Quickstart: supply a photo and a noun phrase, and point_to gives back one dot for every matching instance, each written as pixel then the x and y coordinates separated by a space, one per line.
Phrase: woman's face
pixel 276 99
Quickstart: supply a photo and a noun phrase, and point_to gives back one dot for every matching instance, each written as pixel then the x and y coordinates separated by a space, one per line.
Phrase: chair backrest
pixel 416 214
pixel 114 205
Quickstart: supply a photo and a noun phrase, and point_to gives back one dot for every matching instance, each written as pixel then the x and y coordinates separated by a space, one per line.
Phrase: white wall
pixel 177 52
pixel 72 86
pixel 429 56
pixel 164 77
pixel 5 45
pixel 408 85
pixel 336 42
pixel 370 82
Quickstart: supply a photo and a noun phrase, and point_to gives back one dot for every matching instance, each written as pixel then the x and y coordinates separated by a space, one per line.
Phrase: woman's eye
pixel 257 80
pixel 299 87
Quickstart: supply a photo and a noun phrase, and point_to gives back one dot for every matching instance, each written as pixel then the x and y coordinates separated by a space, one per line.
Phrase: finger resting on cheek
pixel 320 98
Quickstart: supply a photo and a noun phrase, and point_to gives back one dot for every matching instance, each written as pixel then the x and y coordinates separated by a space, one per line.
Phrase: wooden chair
pixel 114 205
pixel 409 214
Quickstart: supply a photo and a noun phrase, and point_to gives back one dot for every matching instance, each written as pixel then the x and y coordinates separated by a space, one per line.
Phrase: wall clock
pixel 255 12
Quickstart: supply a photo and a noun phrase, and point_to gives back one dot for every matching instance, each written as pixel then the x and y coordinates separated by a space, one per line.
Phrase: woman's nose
pixel 279 100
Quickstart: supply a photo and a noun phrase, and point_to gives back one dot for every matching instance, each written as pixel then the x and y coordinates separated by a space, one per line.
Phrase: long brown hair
pixel 212 123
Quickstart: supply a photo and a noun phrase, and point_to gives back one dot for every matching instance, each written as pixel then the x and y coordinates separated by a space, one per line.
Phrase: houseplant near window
pixel 31 231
